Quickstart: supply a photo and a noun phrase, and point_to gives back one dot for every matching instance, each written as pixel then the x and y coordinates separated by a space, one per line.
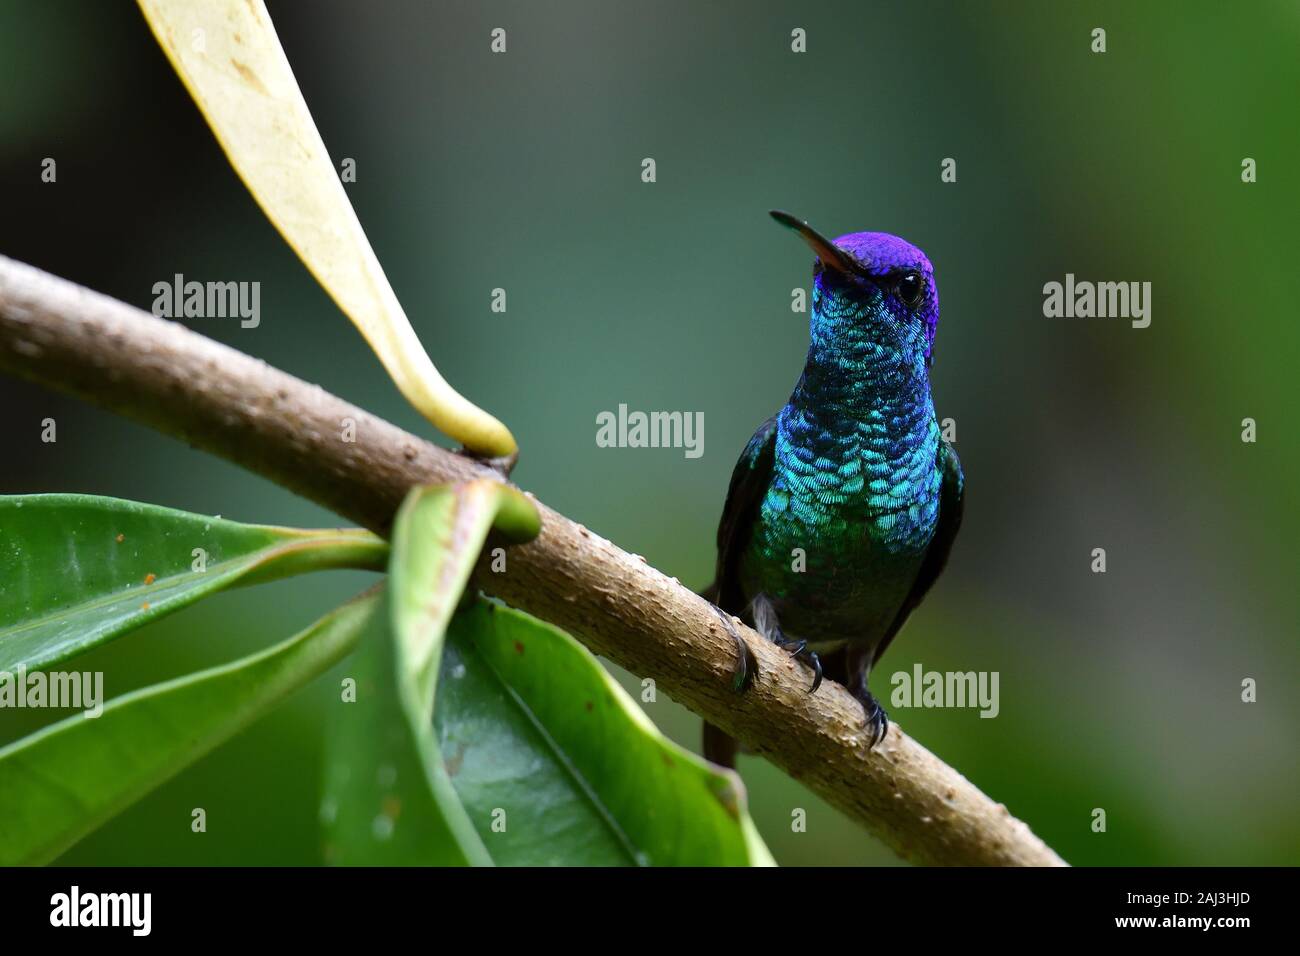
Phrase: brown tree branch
pixel 113 355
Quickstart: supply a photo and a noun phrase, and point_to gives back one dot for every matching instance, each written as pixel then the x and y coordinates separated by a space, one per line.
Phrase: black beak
pixel 828 254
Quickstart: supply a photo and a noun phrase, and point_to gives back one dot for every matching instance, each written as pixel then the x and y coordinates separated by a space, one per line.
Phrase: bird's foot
pixel 877 724
pixel 767 624
pixel 746 663
pixel 800 652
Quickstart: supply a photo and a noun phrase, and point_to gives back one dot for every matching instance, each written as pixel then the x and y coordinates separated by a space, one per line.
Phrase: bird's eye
pixel 909 289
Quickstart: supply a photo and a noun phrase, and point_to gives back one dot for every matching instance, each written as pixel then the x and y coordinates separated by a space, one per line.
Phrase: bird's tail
pixel 719 747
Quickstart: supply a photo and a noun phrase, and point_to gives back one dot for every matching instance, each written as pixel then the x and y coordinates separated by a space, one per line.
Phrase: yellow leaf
pixel 228 56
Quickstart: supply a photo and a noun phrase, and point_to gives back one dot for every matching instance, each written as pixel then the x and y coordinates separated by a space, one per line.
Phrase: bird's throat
pixel 864 434
pixel 868 383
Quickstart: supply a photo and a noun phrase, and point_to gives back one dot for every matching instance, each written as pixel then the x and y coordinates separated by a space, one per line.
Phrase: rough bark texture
pixel 213 397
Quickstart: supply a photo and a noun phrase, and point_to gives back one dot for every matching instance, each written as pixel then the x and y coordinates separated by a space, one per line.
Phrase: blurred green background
pixel 475 171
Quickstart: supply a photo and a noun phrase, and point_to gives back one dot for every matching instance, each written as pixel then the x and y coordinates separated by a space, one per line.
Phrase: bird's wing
pixel 952 497
pixel 749 481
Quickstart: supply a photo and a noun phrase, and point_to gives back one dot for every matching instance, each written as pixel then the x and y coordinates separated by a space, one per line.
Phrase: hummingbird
pixel 844 505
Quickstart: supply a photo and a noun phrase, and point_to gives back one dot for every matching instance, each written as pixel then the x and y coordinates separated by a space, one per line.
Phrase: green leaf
pixel 65 780
pixel 387 795
pixel 529 752
pixel 388 799
pixel 536 734
pixel 77 570
pixel 437 536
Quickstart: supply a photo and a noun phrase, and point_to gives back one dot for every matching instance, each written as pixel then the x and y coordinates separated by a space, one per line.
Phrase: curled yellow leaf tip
pixel 227 54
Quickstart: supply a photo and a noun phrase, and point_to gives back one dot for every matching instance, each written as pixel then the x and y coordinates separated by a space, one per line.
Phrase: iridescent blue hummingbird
pixel 844 505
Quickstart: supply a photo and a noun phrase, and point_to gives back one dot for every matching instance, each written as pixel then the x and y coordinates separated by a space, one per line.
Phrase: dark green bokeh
pixel 522 171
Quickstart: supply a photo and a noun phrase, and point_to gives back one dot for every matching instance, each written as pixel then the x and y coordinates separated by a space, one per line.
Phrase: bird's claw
pixel 746 664
pixel 800 652
pixel 877 724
